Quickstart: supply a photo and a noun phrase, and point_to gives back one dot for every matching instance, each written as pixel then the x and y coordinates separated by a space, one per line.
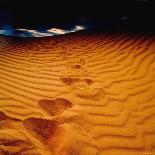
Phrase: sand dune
pixel 78 94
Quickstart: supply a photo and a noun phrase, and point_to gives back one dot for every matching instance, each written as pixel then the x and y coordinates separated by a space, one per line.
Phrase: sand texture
pixel 78 94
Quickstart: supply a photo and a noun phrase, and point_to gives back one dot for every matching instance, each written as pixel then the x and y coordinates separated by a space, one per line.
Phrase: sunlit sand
pixel 78 94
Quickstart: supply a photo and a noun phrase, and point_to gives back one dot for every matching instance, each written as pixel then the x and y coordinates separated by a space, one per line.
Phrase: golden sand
pixel 78 94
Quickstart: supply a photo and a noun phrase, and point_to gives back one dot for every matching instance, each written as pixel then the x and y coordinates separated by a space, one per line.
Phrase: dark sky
pixel 35 13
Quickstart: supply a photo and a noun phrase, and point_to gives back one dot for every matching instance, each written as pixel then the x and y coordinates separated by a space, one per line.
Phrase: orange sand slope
pixel 78 94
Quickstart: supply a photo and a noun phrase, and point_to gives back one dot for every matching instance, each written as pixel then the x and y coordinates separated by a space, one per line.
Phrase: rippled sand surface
pixel 78 94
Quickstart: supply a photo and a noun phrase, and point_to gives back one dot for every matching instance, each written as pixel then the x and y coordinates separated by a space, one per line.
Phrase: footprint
pixel 77 66
pixel 91 94
pixel 55 107
pixel 80 64
pixel 40 126
pixel 89 81
pixel 61 138
pixel 85 88
pixel 2 116
pixel 71 81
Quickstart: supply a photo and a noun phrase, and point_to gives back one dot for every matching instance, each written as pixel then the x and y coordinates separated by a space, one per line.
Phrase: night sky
pixel 107 14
